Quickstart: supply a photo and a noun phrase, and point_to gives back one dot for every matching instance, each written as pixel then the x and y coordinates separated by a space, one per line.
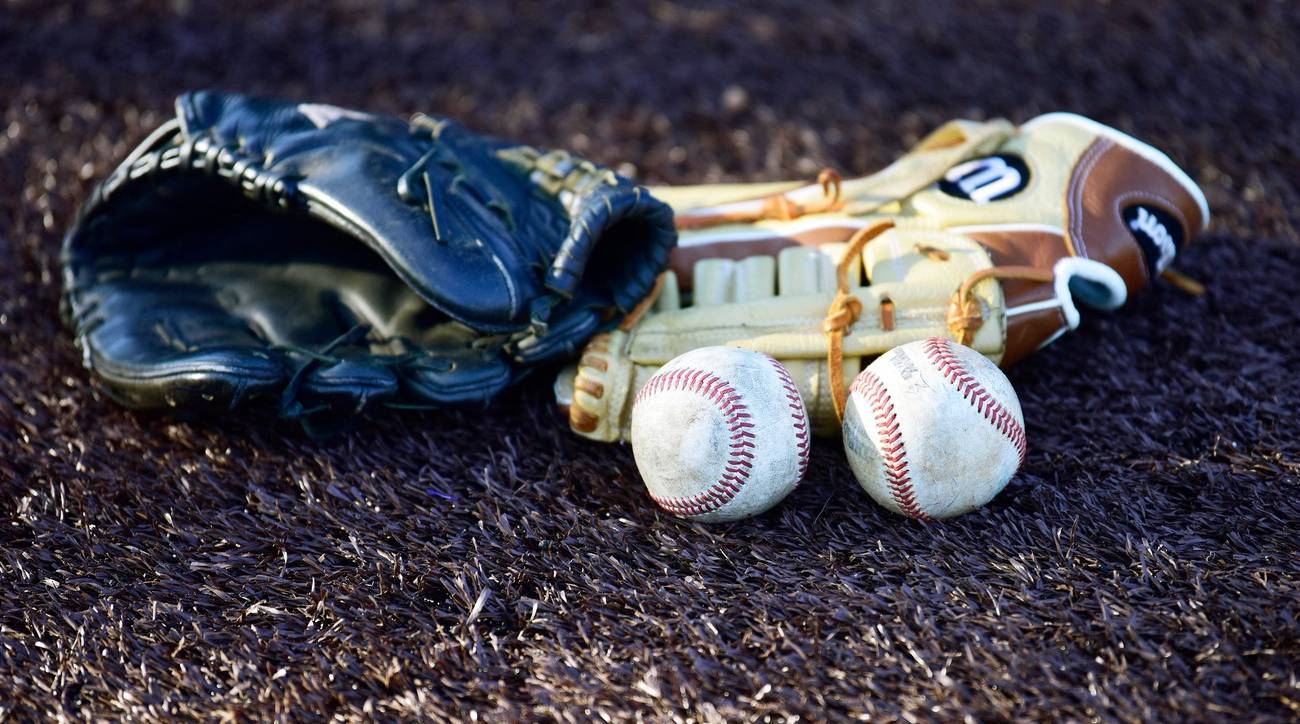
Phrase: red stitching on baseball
pixel 797 416
pixel 893 453
pixel 940 353
pixel 736 415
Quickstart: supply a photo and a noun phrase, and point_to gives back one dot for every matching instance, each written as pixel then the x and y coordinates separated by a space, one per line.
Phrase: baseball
pixel 720 434
pixel 933 429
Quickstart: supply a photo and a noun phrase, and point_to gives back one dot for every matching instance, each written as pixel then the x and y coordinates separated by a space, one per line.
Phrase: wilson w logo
pixel 986 179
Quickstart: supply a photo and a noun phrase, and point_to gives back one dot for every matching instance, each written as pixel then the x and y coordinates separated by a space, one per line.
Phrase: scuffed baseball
pixel 720 434
pixel 933 429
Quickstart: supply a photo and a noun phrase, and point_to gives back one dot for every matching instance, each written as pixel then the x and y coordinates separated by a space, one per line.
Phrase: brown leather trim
pixel 581 420
pixel 1040 249
pixel 683 258
pixel 1107 178
pixel 591 387
pixel 591 360
pixel 1027 332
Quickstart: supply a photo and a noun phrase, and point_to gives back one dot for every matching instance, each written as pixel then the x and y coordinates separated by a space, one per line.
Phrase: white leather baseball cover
pixel 933 429
pixel 720 434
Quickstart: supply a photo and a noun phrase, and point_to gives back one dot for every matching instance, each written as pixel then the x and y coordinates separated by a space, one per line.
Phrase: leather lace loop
pixel 845 310
pixel 965 316
pixel 777 207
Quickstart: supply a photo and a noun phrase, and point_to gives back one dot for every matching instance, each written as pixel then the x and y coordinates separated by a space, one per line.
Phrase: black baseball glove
pixel 331 260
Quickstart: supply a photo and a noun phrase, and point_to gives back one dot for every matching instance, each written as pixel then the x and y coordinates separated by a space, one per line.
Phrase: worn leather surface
pixel 332 259
pixel 1108 178
pixel 1059 194
pixel 1026 330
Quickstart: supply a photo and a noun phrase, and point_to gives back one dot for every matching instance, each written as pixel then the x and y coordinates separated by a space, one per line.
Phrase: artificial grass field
pixel 1142 566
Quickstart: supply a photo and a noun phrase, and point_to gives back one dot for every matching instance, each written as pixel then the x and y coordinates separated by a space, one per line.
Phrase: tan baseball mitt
pixel 985 233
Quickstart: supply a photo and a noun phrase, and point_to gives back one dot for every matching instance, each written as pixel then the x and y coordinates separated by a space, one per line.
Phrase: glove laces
pixel 778 207
pixel 291 404
pixel 845 310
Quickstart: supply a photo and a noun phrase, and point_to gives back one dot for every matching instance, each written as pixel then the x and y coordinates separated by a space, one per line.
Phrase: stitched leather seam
pixel 1086 163
pixel 889 439
pixel 735 414
pixel 941 355
pixel 798 419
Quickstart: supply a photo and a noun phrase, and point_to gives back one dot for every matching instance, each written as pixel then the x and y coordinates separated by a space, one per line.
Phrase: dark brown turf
pixel 1144 565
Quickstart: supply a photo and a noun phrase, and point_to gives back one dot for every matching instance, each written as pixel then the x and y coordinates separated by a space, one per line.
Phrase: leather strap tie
pixel 845 309
pixel 779 207
pixel 965 316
